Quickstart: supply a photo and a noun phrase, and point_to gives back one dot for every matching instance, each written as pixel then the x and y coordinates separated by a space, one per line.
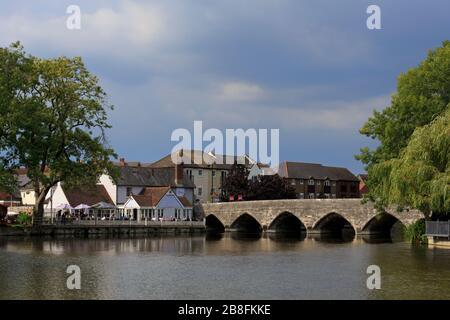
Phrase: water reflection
pixel 268 266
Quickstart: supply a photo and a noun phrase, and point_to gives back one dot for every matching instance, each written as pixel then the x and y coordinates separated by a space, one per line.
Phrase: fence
pixel 113 223
pixel 437 228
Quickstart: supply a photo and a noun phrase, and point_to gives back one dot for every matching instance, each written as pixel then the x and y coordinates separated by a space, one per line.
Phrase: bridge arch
pixel 286 222
pixel 335 225
pixel 213 224
pixel 383 224
pixel 246 223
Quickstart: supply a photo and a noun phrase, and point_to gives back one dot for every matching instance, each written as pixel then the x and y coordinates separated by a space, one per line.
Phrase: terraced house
pixel 315 181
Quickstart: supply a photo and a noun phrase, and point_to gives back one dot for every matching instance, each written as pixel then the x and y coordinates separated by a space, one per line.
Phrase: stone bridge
pixel 308 215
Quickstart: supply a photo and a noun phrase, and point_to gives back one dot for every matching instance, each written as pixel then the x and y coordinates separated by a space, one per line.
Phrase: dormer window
pixel 311 182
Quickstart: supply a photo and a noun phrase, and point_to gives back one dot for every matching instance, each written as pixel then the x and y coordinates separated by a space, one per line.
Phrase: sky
pixel 311 69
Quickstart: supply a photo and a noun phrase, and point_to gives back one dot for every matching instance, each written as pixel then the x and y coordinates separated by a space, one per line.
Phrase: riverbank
pixel 110 229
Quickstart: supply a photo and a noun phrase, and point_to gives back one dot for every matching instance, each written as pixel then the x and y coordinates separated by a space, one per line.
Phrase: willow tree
pixel 423 94
pixel 53 117
pixel 420 177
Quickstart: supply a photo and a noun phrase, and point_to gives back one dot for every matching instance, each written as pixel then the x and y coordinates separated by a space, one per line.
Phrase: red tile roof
pixel 151 196
pixel 89 196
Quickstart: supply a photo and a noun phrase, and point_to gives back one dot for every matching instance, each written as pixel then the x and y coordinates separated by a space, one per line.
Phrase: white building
pixel 157 203
pixel 134 177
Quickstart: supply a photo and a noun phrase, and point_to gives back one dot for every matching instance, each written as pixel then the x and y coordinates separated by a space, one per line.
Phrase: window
pixel 311 182
pixel 293 182
pixel 302 196
pixel 318 183
pixel 343 188
pixel 333 196
pixel 311 195
pixel 327 195
pixel 213 173
pixel 200 172
pixel 129 191
pixel 327 183
pixel 199 191
pixel 301 181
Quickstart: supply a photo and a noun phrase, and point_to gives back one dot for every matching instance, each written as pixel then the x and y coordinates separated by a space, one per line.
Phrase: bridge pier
pixel 311 216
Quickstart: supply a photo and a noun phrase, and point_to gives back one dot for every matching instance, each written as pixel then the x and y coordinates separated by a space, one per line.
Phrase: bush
pixel 416 232
pixel 23 218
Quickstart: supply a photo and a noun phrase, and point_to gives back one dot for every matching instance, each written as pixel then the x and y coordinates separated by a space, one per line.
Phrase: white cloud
pixel 240 91
pixel 114 32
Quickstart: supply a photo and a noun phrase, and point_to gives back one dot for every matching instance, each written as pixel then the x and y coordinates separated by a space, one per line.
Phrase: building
pixel 363 189
pixel 9 200
pixel 62 198
pixel 134 177
pixel 158 203
pixel 207 171
pixel 313 180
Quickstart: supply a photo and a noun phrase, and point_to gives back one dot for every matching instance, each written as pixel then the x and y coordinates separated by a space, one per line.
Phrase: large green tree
pixel 53 117
pixel 423 95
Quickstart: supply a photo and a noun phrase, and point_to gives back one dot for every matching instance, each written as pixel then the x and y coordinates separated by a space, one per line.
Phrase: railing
pixel 437 228
pixel 126 223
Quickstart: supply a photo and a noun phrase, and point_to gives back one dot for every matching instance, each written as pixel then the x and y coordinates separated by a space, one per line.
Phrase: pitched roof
pixel 363 176
pixel 185 202
pixel 151 196
pixel 4 196
pixel 89 196
pixel 302 170
pixel 200 159
pixel 150 177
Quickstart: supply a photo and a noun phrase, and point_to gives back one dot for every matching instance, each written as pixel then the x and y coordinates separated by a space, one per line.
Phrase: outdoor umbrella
pixel 82 206
pixel 103 205
pixel 64 206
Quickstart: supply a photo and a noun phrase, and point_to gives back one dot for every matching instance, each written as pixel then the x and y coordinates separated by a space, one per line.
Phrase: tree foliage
pixel 420 176
pixel 409 168
pixel 270 187
pixel 236 183
pixel 53 117
pixel 423 93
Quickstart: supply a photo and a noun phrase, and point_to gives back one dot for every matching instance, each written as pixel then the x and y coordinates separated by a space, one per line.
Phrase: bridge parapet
pixel 309 211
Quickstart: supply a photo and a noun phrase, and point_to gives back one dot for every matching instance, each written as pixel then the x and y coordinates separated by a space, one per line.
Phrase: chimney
pixel 179 173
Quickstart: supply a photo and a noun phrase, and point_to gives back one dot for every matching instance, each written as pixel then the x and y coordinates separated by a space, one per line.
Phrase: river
pixel 227 267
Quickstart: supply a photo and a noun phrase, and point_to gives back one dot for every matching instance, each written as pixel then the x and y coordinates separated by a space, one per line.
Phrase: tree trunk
pixel 38 212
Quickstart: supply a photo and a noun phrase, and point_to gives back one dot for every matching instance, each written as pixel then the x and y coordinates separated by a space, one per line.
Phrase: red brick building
pixel 315 181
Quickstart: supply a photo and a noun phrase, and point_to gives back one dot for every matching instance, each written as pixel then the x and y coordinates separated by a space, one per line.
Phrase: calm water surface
pixel 227 267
